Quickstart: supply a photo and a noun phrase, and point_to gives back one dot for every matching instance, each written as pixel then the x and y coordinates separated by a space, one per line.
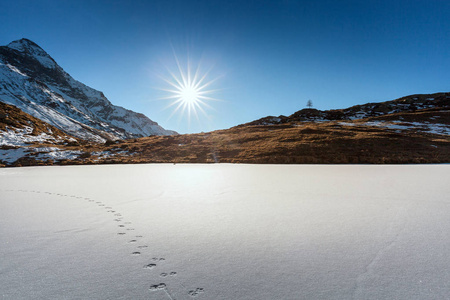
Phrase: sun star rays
pixel 189 91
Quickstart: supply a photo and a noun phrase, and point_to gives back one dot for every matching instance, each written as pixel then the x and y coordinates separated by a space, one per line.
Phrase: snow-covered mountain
pixel 31 80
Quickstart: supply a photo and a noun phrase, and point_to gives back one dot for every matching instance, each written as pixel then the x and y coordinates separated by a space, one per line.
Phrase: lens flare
pixel 189 91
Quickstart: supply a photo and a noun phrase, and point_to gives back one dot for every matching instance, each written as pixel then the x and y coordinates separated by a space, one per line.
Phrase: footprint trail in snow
pixel 118 217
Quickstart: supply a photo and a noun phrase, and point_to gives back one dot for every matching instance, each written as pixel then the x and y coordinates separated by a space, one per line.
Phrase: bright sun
pixel 189 91
pixel 189 94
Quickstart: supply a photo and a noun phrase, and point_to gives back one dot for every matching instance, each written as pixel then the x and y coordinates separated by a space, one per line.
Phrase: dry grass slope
pixel 294 142
pixel 325 143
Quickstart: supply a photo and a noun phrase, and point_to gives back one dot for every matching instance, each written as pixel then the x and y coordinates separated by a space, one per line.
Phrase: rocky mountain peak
pixel 24 45
pixel 30 48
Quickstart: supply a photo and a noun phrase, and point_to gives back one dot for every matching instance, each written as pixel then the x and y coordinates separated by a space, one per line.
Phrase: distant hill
pixel 413 129
pixel 31 80
pixel 405 104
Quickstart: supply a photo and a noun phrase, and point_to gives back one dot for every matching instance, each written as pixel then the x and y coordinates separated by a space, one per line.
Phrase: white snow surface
pixel 225 232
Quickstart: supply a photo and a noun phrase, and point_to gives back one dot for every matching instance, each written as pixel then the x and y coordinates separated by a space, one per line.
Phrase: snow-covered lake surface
pixel 225 232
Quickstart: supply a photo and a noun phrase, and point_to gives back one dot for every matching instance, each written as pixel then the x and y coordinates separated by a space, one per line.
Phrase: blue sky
pixel 269 57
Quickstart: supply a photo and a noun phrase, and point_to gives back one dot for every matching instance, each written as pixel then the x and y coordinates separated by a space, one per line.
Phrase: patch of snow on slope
pixel 56 154
pixel 108 154
pixel 434 128
pixel 11 155
pixel 14 69
pixel 102 154
pixel 358 115
pixel 53 96
pixel 10 78
pixel 42 153
pixel 23 136
pixel 346 124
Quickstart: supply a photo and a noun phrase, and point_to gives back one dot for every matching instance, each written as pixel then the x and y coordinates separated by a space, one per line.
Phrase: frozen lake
pixel 225 232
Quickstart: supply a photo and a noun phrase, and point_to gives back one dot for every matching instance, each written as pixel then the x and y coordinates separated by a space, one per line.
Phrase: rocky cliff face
pixel 31 80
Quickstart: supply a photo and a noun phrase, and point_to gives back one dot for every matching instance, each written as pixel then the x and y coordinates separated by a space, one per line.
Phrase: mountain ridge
pixel 32 80
pixel 402 135
pixel 371 109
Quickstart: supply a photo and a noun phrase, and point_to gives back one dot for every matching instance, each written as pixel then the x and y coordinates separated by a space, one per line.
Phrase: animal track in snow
pixel 150 266
pixel 118 218
pixel 157 287
pixel 168 274
pixel 196 292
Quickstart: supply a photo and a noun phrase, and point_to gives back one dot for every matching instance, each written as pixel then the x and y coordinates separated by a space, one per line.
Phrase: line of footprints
pixel 123 228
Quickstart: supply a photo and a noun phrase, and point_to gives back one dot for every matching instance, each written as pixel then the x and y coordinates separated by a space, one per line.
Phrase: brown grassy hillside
pixel 406 136
pixel 328 142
